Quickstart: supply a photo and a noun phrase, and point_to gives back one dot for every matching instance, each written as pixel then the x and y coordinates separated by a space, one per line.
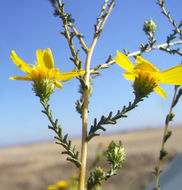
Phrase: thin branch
pixel 79 36
pixel 136 53
pixel 169 18
pixel 166 135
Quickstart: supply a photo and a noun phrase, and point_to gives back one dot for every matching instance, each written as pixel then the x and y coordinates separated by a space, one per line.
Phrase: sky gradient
pixel 26 26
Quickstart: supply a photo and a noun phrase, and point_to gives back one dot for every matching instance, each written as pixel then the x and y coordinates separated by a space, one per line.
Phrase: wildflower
pixel 43 73
pixel 60 185
pixel 146 71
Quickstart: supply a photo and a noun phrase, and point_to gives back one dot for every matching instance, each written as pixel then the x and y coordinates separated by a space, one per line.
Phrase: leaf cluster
pixel 116 156
pixel 110 119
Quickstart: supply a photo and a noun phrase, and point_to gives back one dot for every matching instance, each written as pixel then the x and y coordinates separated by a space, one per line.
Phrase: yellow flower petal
pixel 39 55
pixel 123 61
pixel 43 69
pixel 58 85
pixel 145 65
pixel 69 75
pixel 20 63
pixel 48 59
pixel 129 76
pixel 21 78
pixel 172 76
pixel 160 92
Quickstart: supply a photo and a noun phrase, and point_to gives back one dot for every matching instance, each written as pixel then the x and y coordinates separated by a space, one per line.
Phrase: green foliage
pixel 163 153
pixel 167 136
pixel 103 14
pixel 95 178
pixel 116 156
pixel 62 140
pixel 111 119
pixel 177 97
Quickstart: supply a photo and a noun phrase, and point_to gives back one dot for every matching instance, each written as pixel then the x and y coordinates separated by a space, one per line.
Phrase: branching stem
pixel 86 101
pixel 170 19
pixel 136 53
pixel 80 38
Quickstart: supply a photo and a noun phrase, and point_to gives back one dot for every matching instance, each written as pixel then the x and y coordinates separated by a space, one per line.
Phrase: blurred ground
pixel 33 167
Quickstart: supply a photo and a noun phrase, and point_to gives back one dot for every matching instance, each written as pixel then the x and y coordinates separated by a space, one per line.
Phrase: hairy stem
pixel 164 139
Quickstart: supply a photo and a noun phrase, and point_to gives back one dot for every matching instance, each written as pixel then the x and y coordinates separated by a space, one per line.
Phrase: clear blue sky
pixel 29 25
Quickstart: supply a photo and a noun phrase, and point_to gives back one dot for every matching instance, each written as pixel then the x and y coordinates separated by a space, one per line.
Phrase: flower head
pixel 43 73
pixel 146 71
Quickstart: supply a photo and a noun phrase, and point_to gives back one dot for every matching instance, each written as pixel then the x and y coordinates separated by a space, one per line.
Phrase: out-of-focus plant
pixel 145 76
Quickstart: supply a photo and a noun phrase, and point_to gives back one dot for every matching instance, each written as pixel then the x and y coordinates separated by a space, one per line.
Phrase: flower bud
pixel 116 154
pixel 149 27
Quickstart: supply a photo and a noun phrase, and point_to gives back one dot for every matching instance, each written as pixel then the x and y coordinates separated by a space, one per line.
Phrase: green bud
pixel 161 2
pixel 43 88
pixel 149 27
pixel 99 172
pixel 116 154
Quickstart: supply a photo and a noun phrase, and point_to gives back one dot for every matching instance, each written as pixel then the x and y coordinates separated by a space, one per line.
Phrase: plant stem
pixel 89 53
pixel 85 116
pixel 85 124
pixel 163 140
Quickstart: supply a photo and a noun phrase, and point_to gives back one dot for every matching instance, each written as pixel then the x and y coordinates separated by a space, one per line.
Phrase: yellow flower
pixel 42 69
pixel 145 69
pixel 59 185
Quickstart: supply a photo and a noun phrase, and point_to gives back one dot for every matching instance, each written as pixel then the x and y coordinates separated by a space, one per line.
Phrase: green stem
pixel 164 140
pixel 61 140
pixel 86 101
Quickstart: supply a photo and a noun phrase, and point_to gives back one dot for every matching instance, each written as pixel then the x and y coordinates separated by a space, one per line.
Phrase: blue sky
pixel 29 25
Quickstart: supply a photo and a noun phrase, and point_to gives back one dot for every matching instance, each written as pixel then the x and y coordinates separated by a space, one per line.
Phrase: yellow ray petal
pixel 48 59
pixel 69 75
pixel 39 55
pixel 145 65
pixel 123 61
pixel 58 84
pixel 161 92
pixel 20 63
pixel 129 76
pixel 172 75
pixel 21 78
